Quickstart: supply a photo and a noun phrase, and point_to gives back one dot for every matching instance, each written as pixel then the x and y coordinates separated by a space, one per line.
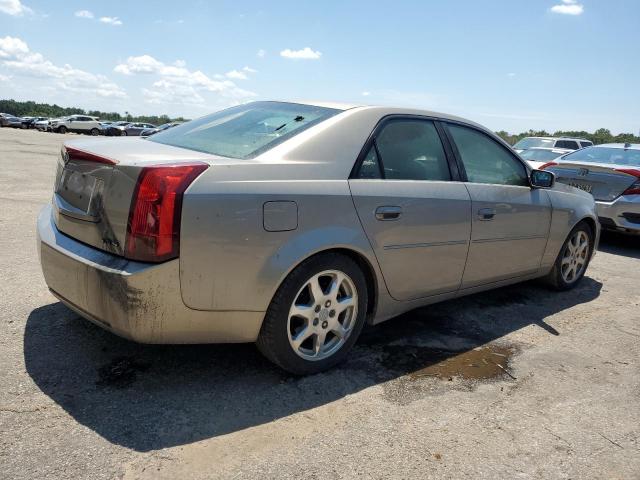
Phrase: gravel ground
pixel 519 382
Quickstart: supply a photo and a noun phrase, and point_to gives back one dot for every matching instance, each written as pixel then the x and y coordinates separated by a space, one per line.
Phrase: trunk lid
pixel 95 184
pixel 605 182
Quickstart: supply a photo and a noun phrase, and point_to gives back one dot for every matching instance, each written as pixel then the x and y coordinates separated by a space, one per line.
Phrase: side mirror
pixel 542 179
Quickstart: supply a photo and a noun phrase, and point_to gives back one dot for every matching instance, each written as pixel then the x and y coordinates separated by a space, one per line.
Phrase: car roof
pixel 383 110
pixel 562 138
pixel 626 146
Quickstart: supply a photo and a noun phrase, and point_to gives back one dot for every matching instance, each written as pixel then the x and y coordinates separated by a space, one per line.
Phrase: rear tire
pixel 573 259
pixel 316 315
pixel 123 133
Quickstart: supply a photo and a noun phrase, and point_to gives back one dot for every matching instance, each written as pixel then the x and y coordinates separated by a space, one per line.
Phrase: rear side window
pixel 485 160
pixel 569 144
pixel 245 131
pixel 411 150
pixel 585 144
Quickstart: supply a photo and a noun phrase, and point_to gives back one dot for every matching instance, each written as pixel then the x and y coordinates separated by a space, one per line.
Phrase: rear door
pixel 510 220
pixel 414 211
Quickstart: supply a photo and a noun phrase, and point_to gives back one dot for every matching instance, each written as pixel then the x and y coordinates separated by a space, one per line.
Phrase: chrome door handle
pixel 388 213
pixel 486 214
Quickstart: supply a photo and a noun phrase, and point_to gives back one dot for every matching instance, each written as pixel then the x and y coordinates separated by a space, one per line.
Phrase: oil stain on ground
pixel 482 363
pixel 121 372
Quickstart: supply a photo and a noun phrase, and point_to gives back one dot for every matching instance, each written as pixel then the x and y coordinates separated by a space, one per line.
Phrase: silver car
pixel 611 173
pixel 291 225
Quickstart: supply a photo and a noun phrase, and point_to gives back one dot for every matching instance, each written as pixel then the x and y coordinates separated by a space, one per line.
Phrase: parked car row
pixel 83 124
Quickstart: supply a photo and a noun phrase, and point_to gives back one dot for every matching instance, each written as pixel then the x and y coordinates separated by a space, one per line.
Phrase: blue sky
pixel 513 65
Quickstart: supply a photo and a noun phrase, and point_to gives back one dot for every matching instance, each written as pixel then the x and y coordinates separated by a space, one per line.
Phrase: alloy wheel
pixel 575 257
pixel 322 315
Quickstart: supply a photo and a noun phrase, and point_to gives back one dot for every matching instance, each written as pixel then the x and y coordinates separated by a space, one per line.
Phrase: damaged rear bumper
pixel 139 301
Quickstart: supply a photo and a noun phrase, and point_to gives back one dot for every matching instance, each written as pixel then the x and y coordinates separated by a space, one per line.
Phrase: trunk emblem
pixel 583 172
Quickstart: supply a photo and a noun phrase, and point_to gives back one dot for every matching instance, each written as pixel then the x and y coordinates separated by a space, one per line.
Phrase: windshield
pixel 530 142
pixel 606 155
pixel 539 155
pixel 244 131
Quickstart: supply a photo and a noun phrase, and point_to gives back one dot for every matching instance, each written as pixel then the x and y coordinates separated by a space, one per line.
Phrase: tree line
pixel 601 135
pixel 33 109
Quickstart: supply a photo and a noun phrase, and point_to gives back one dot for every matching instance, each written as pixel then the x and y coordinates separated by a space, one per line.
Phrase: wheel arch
pixel 365 264
pixel 589 221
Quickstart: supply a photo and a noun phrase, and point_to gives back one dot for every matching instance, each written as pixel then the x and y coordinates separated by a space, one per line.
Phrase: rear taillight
pixel 153 231
pixel 634 189
pixel 547 165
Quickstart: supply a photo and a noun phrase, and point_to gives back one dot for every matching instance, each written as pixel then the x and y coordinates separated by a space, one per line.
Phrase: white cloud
pixel 305 54
pixel 111 21
pixel 261 53
pixel 366 94
pixel 236 75
pixel 14 7
pixel 178 84
pixel 18 58
pixel 12 47
pixel 141 64
pixel 568 7
pixel 249 70
pixel 84 14
pixel 511 74
pixel 4 78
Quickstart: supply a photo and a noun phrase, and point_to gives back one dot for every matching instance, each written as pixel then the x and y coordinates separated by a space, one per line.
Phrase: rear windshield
pixel 533 142
pixel 539 155
pixel 607 155
pixel 244 131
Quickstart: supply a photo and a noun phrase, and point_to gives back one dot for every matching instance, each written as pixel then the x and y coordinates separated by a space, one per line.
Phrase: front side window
pixel 585 144
pixel 485 160
pixel 370 168
pixel 411 150
pixel 245 131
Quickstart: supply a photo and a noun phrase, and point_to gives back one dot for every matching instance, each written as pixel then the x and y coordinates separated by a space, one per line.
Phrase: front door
pixel 416 217
pixel 510 220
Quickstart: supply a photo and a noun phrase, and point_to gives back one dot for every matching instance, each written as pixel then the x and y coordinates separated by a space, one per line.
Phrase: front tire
pixel 62 129
pixel 573 259
pixel 316 315
pixel 94 132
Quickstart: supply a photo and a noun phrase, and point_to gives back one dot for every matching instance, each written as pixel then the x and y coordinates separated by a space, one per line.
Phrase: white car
pixel 536 157
pixel 78 124
pixel 551 142
pixel 42 125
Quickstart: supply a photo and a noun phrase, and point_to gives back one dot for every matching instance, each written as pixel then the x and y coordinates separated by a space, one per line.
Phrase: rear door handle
pixel 388 213
pixel 486 214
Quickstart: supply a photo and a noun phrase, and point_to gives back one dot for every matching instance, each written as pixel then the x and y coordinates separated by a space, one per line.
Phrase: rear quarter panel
pixel 228 261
